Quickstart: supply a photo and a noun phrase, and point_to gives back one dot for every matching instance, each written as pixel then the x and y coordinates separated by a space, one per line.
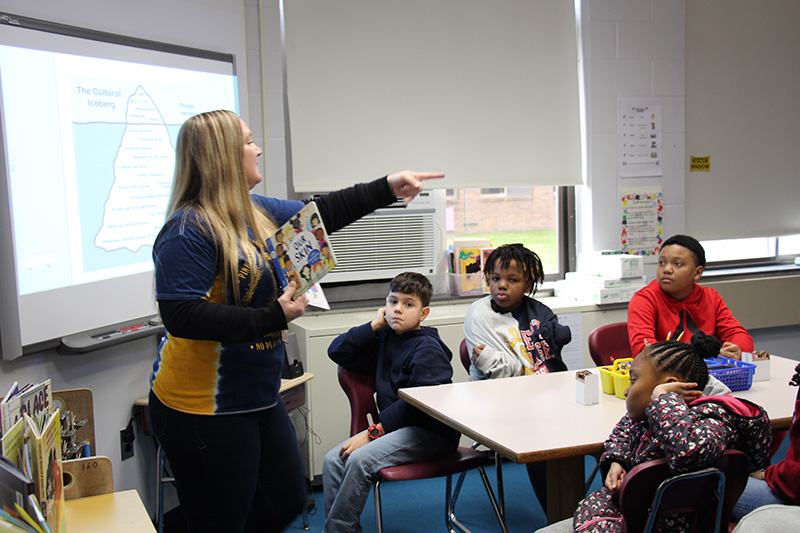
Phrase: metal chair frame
pixel 360 390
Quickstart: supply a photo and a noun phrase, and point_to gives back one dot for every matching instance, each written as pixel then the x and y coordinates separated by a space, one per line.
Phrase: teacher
pixel 214 401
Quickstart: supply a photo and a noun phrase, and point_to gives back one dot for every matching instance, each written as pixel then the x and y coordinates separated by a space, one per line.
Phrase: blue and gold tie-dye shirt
pixel 206 376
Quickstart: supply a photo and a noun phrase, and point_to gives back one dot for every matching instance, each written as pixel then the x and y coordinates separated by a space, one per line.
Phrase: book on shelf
pixel 300 250
pixel 19 506
pixel 34 399
pixel 468 265
pixel 43 439
pixel 15 486
pixel 12 444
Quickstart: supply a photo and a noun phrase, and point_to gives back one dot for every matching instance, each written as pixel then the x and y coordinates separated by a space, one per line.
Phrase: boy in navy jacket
pixel 400 353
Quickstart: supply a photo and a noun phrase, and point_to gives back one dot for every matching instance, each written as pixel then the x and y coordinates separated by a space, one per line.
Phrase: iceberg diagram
pixel 143 167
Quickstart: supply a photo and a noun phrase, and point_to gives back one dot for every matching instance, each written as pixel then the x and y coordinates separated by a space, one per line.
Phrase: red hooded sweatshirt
pixel 653 314
pixel 784 476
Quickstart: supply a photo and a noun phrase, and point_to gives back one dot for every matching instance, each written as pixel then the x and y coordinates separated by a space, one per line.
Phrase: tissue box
pixel 605 282
pixel 615 265
pixel 587 387
pixel 761 360
pixel 612 296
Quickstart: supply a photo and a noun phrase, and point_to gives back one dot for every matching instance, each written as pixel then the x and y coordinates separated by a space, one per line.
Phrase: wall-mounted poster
pixel 642 229
pixel 640 145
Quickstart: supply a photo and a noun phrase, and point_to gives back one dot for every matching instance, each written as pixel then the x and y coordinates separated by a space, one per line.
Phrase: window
pixel 752 251
pixel 532 216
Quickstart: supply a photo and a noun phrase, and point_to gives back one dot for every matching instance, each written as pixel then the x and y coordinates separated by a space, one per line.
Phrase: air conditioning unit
pixel 391 240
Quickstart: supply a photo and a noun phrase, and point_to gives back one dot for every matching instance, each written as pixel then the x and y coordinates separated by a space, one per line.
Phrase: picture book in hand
pixel 300 249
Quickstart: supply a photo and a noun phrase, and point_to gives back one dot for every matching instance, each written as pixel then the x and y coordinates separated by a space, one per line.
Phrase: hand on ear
pixel 687 391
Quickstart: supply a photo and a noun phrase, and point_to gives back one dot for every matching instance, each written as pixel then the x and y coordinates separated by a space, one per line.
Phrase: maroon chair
pixel 609 342
pixel 360 391
pixel 463 353
pixel 706 497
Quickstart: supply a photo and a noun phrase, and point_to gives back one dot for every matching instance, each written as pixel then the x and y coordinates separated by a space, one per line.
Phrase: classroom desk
pixel 120 512
pixel 536 418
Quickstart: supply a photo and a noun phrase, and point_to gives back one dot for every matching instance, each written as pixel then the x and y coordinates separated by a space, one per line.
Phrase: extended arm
pixel 342 207
pixel 731 333
pixel 642 319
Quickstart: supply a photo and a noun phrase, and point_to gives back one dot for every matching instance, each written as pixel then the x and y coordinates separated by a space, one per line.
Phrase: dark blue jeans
pixel 234 473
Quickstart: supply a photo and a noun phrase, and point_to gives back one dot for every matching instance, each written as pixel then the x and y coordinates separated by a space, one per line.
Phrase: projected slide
pixel 91 150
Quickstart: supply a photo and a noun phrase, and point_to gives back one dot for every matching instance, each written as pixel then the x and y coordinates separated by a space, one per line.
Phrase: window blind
pixel 487 92
pixel 742 110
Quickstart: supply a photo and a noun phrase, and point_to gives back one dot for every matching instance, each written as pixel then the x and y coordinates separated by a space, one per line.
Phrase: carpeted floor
pixel 418 506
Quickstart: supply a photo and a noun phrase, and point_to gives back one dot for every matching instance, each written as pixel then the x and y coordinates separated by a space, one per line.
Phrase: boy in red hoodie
pixel 779 483
pixel 674 304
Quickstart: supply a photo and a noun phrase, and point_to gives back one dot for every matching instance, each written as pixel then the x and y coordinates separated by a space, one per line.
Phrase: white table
pixel 536 418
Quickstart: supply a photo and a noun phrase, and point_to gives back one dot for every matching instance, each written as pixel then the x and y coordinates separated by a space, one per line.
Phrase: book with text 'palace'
pixel 300 249
pixel 34 399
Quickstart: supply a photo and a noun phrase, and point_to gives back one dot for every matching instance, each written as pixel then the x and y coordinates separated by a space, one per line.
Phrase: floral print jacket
pixel 690 437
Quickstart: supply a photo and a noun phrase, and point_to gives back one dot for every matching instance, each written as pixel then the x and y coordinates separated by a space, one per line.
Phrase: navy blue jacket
pixel 415 358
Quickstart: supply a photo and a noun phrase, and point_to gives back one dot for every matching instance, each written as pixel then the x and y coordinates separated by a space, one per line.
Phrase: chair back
pixel 609 342
pixel 360 391
pixel 464 355
pixel 78 406
pixel 87 476
pixel 649 493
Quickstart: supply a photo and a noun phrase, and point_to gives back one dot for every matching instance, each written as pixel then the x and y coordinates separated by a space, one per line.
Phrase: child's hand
pixel 476 352
pixel 379 322
pixel 687 391
pixel 759 474
pixel 353 444
pixel 731 351
pixel 616 474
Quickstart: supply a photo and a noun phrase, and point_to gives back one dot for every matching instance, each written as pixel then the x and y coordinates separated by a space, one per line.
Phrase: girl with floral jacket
pixel 667 418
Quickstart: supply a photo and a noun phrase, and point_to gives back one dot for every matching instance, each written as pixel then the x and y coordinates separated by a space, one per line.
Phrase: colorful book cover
pixel 45 445
pixel 34 399
pixel 485 253
pixel 13 442
pixel 300 249
pixel 467 265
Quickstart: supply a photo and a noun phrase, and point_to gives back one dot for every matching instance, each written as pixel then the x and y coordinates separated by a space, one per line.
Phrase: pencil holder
pixel 616 378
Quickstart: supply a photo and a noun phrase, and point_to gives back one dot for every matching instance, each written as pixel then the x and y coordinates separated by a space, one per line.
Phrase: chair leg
pixel 306 524
pixel 498 467
pixel 498 510
pixel 378 513
pixel 159 489
pixel 450 516
pixel 460 481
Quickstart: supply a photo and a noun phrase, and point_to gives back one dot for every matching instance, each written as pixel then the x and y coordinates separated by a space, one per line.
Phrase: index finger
pixel 428 175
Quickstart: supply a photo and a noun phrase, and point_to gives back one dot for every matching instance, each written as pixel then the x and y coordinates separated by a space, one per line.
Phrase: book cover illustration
pixel 485 253
pixel 300 249
pixel 468 265
pixel 44 439
pixel 34 399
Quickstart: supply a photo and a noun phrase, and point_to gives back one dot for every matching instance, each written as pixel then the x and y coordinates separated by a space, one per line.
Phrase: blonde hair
pixel 209 178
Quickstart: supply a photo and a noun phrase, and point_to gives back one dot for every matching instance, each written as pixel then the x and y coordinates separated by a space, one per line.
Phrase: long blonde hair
pixel 209 178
